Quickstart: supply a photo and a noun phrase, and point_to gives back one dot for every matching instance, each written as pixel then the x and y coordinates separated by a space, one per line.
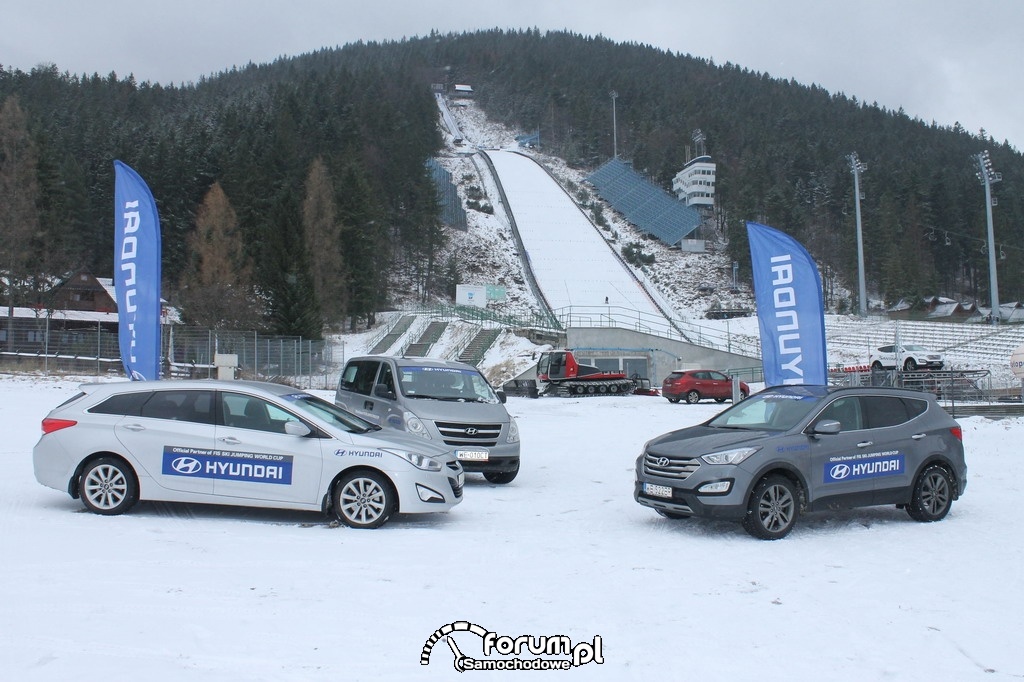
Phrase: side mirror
pixel 501 396
pixel 381 391
pixel 828 426
pixel 293 428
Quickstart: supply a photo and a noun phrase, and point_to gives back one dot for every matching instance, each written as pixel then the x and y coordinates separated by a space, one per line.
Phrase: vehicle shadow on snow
pixel 810 524
pixel 185 512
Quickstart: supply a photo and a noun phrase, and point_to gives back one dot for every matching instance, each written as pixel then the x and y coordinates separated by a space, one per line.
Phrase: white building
pixel 695 184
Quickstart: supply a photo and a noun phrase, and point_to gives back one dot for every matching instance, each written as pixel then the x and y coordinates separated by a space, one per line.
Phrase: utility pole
pixel 857 167
pixel 988 177
pixel 615 129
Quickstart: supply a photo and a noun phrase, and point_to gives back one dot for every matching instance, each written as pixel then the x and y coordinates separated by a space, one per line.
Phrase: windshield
pixel 329 412
pixel 445 383
pixel 767 412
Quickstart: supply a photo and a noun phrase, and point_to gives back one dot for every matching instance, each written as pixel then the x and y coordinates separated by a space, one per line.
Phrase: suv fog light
pixel 428 495
pixel 718 487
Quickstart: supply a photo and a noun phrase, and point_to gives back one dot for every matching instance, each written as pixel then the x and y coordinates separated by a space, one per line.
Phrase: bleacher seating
pixel 645 205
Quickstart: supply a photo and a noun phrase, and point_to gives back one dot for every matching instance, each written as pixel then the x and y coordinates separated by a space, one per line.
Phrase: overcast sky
pixel 937 59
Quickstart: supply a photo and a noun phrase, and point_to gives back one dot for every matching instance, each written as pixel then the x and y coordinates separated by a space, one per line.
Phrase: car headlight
pixel 424 462
pixel 414 426
pixel 513 430
pixel 729 456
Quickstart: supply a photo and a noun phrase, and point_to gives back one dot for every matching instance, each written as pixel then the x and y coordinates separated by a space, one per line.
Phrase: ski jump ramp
pixel 572 263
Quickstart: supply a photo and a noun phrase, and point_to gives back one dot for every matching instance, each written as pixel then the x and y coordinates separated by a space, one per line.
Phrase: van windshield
pixel 445 383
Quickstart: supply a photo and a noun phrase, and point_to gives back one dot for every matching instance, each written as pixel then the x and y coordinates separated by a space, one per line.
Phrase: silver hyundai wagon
pixel 238 443
pixel 805 448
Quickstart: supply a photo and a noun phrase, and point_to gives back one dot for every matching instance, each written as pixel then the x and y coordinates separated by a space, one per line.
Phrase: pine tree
pixel 322 232
pixel 19 217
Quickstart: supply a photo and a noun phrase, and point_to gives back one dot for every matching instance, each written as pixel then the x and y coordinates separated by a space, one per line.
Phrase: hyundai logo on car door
pixel 252 467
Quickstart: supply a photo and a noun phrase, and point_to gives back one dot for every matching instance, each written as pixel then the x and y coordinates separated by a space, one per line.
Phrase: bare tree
pixel 217 289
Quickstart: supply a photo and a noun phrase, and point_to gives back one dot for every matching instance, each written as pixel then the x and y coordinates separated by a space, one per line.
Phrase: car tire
pixel 743 395
pixel 364 499
pixel 692 397
pixel 502 477
pixel 108 486
pixel 910 365
pixel 876 366
pixel 719 400
pixel 933 495
pixel 773 508
pixel 675 516
pixel 673 400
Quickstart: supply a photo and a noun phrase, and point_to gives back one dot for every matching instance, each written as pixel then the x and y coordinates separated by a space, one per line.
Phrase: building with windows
pixel 695 184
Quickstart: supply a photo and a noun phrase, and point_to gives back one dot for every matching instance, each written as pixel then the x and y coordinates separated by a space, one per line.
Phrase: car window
pixel 188 406
pixel 718 376
pixel 129 404
pixel 250 412
pixel 766 411
pixel 881 411
pixel 445 383
pixel 915 407
pixel 359 376
pixel 844 410
pixel 329 412
pixel 387 377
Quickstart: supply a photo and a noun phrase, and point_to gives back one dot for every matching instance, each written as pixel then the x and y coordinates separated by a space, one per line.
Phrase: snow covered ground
pixel 171 592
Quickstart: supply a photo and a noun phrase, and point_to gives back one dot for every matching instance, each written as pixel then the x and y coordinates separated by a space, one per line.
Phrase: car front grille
pixel 457 433
pixel 670 467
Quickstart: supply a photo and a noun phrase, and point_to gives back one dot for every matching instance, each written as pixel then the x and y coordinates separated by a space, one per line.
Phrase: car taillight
pixel 51 425
pixel 958 433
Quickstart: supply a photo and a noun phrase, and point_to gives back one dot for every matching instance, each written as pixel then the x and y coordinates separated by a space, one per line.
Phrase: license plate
pixel 657 490
pixel 472 455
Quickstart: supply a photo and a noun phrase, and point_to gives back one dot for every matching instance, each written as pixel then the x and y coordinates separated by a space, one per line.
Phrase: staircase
pixel 402 326
pixel 428 338
pixel 477 348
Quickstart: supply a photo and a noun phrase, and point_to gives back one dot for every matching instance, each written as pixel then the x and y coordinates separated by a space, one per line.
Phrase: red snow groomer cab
pixel 559 373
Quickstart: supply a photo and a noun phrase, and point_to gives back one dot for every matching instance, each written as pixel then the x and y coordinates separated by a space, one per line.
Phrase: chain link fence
pixel 83 348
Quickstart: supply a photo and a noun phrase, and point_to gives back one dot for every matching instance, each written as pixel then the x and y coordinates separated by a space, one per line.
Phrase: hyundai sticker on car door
pixel 253 467
pixel 853 467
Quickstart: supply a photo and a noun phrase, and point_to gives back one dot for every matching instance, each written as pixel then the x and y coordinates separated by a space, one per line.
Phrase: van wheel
pixel 108 486
pixel 773 507
pixel 364 499
pixel 502 477
pixel 933 495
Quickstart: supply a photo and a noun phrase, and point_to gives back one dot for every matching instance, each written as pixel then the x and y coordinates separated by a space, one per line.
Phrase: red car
pixel 692 385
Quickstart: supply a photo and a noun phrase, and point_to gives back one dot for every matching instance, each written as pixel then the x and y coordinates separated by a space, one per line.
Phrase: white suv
pixel 238 443
pixel 909 357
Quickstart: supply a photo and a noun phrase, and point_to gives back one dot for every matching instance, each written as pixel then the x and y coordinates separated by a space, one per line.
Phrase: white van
pixel 448 403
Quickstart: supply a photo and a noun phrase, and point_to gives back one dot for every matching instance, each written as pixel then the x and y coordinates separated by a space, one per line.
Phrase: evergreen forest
pixel 288 192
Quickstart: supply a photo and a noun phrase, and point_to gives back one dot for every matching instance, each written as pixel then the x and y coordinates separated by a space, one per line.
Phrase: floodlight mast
pixel 857 167
pixel 988 177
pixel 615 128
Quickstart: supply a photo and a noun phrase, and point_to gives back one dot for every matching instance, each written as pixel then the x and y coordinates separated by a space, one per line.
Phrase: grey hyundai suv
pixel 790 449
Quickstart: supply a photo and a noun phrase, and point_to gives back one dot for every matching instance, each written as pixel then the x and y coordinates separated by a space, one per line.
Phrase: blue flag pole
pixel 137 274
pixel 790 308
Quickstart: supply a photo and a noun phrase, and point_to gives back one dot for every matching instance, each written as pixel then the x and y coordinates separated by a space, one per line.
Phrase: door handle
pixel 918 436
pixel 230 440
pixel 864 444
pixel 134 427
